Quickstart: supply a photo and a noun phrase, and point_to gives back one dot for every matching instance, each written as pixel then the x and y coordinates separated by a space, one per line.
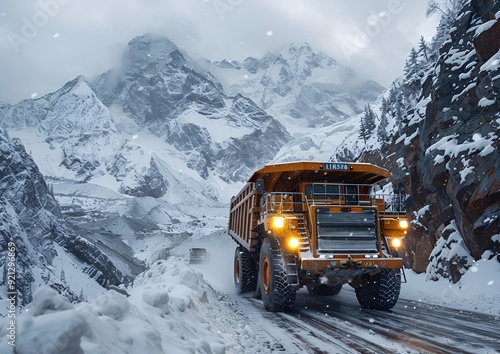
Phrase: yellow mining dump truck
pixel 319 225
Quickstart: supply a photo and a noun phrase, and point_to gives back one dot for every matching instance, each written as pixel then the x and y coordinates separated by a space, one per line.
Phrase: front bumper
pixel 323 265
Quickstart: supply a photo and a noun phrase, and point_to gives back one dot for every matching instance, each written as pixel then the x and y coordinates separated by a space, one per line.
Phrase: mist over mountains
pixel 299 85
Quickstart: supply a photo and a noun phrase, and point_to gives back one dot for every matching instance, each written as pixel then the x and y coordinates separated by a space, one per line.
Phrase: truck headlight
pixel 293 242
pixel 403 224
pixel 278 222
pixel 396 242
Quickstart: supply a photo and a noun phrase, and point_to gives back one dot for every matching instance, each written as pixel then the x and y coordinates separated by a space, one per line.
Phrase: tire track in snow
pixel 295 333
pixel 426 328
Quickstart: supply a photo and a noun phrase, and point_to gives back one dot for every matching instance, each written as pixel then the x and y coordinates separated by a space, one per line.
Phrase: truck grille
pixel 346 232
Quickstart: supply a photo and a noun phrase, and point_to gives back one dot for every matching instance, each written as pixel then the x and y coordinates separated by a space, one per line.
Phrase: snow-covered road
pixel 338 324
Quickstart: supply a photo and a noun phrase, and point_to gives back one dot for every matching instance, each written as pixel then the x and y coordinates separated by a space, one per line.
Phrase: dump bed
pixel 244 216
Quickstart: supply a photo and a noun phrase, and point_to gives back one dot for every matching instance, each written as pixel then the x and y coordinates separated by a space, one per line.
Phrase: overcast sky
pixel 45 43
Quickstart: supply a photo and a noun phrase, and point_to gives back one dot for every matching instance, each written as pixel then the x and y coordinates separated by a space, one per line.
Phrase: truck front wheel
pixel 380 291
pixel 277 294
pixel 245 271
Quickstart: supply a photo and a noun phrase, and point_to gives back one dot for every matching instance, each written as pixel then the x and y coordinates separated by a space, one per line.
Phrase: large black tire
pixel 276 293
pixel 380 291
pixel 245 271
pixel 323 289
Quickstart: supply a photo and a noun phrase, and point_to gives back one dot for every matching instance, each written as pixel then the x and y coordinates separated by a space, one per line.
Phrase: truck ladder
pixel 303 233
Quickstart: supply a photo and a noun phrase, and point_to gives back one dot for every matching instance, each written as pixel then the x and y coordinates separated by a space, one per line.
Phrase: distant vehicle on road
pixel 197 255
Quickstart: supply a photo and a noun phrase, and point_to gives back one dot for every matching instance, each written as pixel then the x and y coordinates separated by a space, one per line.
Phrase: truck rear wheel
pixel 323 289
pixel 277 294
pixel 380 291
pixel 245 271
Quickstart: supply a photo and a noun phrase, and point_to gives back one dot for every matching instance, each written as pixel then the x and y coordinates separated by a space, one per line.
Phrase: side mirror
pixel 259 186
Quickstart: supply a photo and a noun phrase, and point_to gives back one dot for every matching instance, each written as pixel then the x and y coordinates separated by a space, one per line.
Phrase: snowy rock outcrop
pixel 453 156
pixel 148 181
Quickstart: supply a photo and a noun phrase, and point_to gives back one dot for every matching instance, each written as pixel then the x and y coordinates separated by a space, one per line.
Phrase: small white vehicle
pixel 197 255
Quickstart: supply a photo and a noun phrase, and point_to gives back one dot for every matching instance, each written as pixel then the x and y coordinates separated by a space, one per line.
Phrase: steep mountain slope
pixel 319 144
pixel 45 245
pixel 301 87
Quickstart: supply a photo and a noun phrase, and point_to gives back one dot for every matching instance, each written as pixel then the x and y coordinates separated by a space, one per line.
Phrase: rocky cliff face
pixel 447 152
pixel 453 160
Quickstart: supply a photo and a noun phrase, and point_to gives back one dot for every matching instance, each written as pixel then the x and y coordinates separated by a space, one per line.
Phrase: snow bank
pixel 170 309
pixel 478 289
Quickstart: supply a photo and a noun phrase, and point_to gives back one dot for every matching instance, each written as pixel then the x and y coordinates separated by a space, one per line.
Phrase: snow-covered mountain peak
pixel 293 66
pixel 300 47
pixel 303 57
pixel 302 87
pixel 148 48
pixel 296 51
pixel 78 85
pixel 165 93
pixel 77 111
pixel 73 110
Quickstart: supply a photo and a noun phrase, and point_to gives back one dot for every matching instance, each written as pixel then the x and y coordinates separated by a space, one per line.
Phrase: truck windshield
pixel 345 193
pixel 323 191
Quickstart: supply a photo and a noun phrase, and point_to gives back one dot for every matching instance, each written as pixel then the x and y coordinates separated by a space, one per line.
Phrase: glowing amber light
pixel 396 242
pixel 403 224
pixel 278 223
pixel 293 242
